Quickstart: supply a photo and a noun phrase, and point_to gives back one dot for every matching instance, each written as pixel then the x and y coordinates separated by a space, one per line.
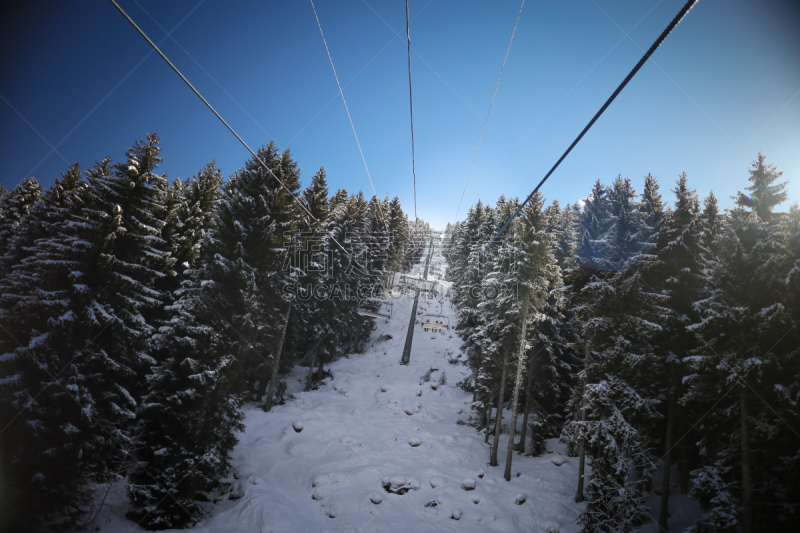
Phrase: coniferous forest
pixel 652 333
pixel 649 339
pixel 137 316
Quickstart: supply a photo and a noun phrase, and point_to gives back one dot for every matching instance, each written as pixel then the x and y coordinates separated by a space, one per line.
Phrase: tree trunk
pixel 488 421
pixel 582 453
pixel 521 355
pixel 747 479
pixel 488 411
pixel 482 420
pixel 273 382
pixel 499 417
pixel 684 472
pixel 262 387
pixel 311 368
pixel 321 369
pixel 528 401
pixel 354 347
pixel 663 513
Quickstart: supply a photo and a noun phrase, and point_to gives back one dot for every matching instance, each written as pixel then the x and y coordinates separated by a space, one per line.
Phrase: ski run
pixel 384 447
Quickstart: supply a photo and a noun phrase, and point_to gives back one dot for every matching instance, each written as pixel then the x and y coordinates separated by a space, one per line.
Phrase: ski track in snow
pixel 357 433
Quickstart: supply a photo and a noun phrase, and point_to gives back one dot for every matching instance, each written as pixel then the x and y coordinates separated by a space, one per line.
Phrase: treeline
pixel 137 316
pixel 651 339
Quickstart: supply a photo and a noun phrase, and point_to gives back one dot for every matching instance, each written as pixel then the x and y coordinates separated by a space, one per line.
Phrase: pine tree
pixel 316 197
pixel 14 205
pixel 622 317
pixel 765 194
pixel 616 448
pixel 123 215
pixel 590 251
pixel 533 276
pixel 312 319
pixel 48 447
pixel 254 227
pixel 564 248
pixel 713 227
pixel 188 416
pixel 188 413
pixel 740 366
pixel 681 276
pixel 88 302
pixel 652 206
pixel 398 226
pixel 191 210
pixel 42 218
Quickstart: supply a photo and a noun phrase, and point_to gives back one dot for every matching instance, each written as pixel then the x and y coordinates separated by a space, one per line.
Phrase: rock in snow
pixel 468 483
pixel 375 498
pixel 414 441
pixel 558 460
pixel 298 426
pixel 436 481
pixel 520 498
pixel 551 527
pixel 399 484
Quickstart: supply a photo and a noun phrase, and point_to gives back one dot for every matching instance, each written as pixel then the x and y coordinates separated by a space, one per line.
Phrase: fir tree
pixel 742 363
pixel 14 205
pixel 187 418
pixel 681 276
pixel 765 194
pixel 622 317
pixel 398 226
pixel 316 197
pixel 533 277
pixel 713 227
pixel 564 247
pixel 49 448
pixel 84 345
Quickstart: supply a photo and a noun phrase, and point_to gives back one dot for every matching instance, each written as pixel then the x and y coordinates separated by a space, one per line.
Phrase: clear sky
pixel 724 86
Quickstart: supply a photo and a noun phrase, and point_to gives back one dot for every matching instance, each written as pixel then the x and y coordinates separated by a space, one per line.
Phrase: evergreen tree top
pixel 316 196
pixel 686 204
pixel 652 206
pixel 765 194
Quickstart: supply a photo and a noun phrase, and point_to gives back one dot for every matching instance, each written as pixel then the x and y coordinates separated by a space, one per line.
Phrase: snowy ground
pixel 376 424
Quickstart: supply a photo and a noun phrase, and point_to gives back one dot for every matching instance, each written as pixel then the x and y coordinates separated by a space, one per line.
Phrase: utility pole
pixel 410 333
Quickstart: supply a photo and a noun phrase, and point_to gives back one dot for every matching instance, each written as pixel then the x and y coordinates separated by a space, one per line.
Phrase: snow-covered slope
pixel 378 425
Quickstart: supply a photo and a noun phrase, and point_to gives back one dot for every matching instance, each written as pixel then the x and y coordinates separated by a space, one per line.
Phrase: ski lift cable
pixel 352 126
pixel 196 92
pixel 486 120
pixel 675 21
pixel 411 108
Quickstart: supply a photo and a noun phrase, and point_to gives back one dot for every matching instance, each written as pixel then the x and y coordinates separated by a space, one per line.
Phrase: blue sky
pixel 724 86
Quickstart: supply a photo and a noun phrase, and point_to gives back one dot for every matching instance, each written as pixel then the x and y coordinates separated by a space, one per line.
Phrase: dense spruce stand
pixel 655 336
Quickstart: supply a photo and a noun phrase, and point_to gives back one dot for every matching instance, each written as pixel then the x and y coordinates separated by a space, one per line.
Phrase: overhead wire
pixel 671 26
pixel 446 216
pixel 486 120
pixel 255 156
pixel 411 108
pixel 319 25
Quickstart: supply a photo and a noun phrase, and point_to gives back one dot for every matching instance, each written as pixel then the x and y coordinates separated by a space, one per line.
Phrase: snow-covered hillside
pixel 382 447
